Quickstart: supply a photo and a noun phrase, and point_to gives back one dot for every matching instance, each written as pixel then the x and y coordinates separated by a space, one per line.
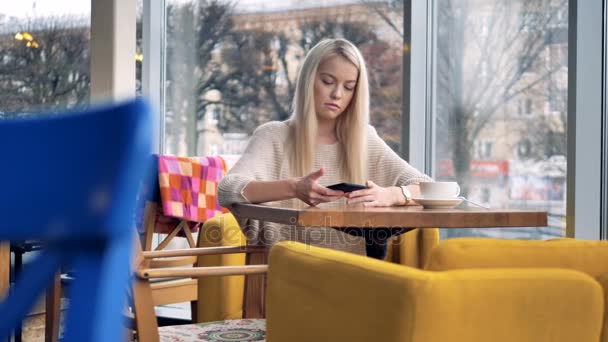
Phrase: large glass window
pixel 500 106
pixel 231 65
pixel 44 55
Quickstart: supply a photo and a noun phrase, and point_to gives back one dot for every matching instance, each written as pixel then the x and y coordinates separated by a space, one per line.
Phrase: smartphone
pixel 346 187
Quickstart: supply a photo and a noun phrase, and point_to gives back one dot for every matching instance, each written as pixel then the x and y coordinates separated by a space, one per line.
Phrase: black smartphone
pixel 347 187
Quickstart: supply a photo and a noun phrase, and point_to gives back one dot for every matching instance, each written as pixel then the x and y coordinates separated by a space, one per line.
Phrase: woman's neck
pixel 326 132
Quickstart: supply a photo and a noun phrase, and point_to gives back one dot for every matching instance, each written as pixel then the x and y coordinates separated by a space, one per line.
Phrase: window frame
pixel 153 66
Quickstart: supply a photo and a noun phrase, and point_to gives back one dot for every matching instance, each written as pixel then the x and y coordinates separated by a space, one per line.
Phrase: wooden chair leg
pixel 194 311
pixel 143 305
pixel 254 298
pixel 5 268
pixel 53 310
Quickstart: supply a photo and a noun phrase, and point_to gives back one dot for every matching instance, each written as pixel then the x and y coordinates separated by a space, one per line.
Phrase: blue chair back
pixel 70 181
pixel 149 190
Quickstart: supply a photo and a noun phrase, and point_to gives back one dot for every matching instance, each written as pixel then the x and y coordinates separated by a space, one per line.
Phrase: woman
pixel 327 140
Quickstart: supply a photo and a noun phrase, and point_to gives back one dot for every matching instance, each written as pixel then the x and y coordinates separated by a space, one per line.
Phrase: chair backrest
pixel 337 296
pixel 590 257
pixel 188 186
pixel 71 175
pixel 70 180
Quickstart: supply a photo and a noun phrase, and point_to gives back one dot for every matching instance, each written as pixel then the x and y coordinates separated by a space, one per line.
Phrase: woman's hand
pixel 312 193
pixel 376 196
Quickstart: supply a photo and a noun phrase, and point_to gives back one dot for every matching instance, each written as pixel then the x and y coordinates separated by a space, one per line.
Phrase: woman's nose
pixel 335 94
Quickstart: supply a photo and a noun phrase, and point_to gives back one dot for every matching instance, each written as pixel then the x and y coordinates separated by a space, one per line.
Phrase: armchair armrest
pixel 318 294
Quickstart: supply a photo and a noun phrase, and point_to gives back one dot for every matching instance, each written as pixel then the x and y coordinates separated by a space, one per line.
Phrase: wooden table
pixel 339 216
pixel 395 217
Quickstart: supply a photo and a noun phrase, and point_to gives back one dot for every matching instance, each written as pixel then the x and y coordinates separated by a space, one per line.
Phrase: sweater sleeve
pixel 260 161
pixel 387 167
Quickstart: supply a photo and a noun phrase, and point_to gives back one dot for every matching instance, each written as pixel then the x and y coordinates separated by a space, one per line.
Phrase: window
pixel 484 25
pixel 528 19
pixel 559 17
pixel 558 101
pixel 526 64
pixel 484 69
pixel 524 149
pixel 246 55
pixel 496 157
pixel 558 54
pixel 45 56
pixel 525 107
pixel 484 149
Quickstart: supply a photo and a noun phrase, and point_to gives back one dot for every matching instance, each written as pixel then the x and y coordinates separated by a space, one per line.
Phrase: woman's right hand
pixel 312 193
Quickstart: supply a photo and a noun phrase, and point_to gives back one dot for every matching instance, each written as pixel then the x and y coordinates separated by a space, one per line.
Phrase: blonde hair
pixel 351 125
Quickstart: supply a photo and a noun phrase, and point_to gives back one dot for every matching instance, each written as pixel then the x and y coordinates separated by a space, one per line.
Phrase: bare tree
pixel 45 63
pixel 252 70
pixel 487 56
pixel 262 60
pixel 195 30
pixel 387 10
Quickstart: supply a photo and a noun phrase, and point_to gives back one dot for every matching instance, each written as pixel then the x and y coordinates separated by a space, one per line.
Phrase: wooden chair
pixel 172 170
pixel 80 207
pixel 143 302
pixel 176 290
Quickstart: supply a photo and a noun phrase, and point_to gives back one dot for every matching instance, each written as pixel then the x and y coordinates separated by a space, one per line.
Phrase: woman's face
pixel 335 84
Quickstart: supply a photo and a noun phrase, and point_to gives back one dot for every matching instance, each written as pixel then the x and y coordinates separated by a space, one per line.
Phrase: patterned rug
pixel 239 330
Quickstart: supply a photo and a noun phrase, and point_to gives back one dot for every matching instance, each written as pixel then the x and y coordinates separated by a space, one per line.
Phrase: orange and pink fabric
pixel 188 186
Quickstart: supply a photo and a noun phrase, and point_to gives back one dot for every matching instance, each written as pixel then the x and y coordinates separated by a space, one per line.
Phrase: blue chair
pixel 70 181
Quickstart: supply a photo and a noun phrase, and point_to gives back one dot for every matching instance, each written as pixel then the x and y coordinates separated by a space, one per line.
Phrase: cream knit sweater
pixel 264 159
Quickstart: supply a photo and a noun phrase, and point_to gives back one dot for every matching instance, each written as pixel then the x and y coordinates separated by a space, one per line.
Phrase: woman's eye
pixel 326 82
pixel 349 88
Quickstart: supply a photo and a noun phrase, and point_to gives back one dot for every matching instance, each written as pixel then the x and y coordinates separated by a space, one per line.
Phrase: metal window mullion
pixel 604 153
pixel 584 176
pixel 153 67
pixel 416 137
pixel 431 90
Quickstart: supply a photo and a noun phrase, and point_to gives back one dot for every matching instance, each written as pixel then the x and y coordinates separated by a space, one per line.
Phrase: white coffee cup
pixel 439 190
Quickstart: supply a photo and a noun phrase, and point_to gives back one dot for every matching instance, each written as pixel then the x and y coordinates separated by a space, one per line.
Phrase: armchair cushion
pixel 590 257
pixel 318 294
pixel 587 256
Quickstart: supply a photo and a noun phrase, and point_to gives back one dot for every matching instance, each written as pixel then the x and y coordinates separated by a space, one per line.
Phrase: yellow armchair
pixel 221 298
pixel 590 257
pixel 414 247
pixel 318 294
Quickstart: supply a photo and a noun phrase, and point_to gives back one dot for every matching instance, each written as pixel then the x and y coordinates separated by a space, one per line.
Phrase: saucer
pixel 436 203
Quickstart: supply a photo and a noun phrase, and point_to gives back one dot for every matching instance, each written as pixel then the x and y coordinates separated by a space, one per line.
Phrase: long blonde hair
pixel 351 125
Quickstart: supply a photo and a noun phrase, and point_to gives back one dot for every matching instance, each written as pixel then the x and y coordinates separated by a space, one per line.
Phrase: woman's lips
pixel 332 106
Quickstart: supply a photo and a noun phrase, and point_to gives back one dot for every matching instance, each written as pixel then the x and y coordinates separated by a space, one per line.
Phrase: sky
pixel 24 8
pixel 33 8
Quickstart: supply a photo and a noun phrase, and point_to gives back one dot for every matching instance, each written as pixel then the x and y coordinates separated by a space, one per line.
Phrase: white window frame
pixel 112 50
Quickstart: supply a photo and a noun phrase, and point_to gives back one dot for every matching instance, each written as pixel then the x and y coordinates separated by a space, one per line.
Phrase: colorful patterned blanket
pixel 188 186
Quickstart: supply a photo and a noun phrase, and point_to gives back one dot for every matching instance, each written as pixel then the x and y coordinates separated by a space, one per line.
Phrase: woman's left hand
pixel 373 196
